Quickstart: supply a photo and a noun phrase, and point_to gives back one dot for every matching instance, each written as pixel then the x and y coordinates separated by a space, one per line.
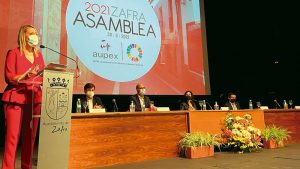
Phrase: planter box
pixel 204 151
pixel 270 144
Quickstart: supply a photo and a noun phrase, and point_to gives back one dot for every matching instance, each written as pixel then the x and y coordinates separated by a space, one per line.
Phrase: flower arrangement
pixel 240 135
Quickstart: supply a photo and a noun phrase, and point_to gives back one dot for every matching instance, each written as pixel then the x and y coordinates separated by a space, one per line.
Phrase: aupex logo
pixel 112 38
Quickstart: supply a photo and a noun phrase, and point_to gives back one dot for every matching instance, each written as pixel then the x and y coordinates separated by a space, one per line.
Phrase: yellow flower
pixel 238 118
pixel 250 128
pixel 243 146
pixel 237 125
pixel 246 134
pixel 235 138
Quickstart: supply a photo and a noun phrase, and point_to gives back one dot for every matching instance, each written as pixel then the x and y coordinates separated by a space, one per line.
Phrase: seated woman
pixel 189 102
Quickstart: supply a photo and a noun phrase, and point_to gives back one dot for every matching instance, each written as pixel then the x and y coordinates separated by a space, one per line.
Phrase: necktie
pixel 191 107
pixel 233 106
pixel 142 101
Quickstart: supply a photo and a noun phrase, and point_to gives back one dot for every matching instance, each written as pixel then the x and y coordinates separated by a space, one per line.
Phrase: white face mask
pixel 33 40
pixel 90 94
pixel 143 91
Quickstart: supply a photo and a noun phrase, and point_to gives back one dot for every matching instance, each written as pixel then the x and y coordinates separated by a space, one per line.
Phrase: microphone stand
pixel 115 105
pixel 78 72
pixel 209 106
pixel 277 104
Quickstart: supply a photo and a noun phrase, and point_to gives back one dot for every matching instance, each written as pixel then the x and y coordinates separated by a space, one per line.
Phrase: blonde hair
pixel 22 40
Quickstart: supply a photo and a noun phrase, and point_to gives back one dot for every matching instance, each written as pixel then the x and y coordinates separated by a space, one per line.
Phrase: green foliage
pixel 198 139
pixel 276 133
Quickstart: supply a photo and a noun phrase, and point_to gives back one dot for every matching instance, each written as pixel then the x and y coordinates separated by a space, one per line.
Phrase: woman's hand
pixel 33 71
pixel 97 106
pixel 30 72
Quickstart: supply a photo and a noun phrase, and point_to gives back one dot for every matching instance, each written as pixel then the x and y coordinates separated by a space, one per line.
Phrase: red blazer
pixel 21 93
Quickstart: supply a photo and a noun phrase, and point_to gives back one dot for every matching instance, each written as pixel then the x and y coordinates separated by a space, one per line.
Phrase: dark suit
pixel 185 106
pixel 136 102
pixel 96 100
pixel 228 104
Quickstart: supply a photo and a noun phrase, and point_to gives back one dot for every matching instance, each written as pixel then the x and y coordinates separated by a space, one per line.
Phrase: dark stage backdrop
pixel 253 48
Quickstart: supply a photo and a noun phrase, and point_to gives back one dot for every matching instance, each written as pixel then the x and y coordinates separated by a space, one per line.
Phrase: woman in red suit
pixel 22 97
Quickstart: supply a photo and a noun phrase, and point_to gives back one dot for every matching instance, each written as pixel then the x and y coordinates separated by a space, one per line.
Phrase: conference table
pixel 103 139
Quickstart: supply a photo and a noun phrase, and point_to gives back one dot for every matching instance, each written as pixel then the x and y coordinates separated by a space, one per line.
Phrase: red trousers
pixel 19 118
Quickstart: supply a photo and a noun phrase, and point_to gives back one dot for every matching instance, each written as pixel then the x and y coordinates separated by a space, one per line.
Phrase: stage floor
pixel 283 158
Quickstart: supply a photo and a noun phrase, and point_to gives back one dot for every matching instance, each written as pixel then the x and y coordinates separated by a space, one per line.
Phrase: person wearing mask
pixel 140 100
pixel 232 104
pixel 22 97
pixel 189 102
pixel 90 101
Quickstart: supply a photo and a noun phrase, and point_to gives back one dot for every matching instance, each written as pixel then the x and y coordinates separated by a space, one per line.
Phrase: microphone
pixel 277 104
pixel 78 72
pixel 221 95
pixel 115 105
pixel 209 106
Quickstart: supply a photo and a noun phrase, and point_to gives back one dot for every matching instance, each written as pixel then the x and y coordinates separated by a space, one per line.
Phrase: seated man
pixel 232 103
pixel 140 100
pixel 90 101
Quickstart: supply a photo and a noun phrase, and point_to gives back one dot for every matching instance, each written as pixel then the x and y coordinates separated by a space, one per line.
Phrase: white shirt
pixel 142 101
pixel 90 103
pixel 233 106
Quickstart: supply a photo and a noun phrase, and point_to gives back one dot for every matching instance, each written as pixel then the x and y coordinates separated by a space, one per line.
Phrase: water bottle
pixel 143 108
pixel 78 106
pixel 204 105
pixel 250 104
pixel 285 105
pixel 216 106
pixel 132 107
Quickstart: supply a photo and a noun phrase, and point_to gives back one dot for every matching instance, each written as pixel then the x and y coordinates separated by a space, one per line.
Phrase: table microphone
pixel 78 72
pixel 115 105
pixel 277 103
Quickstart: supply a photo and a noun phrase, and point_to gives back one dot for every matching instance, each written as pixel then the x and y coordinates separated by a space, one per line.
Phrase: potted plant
pixel 198 144
pixel 274 136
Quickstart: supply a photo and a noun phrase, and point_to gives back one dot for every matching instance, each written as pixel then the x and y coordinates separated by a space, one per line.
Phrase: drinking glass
pixel 84 104
pixel 291 103
pixel 201 104
pixel 258 104
pixel 132 108
pixel 152 106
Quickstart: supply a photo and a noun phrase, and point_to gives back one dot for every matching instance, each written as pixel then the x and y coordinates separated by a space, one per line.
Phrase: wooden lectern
pixel 55 119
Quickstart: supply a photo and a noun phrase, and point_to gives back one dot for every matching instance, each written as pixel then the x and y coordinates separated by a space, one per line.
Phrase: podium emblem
pixel 57 102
